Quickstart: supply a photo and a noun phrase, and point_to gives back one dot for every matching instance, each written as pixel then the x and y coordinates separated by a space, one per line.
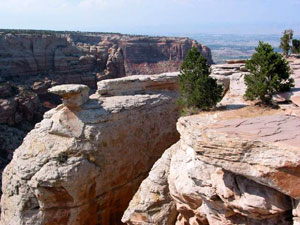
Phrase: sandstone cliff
pixel 76 57
pixel 228 168
pixel 84 161
pixel 33 61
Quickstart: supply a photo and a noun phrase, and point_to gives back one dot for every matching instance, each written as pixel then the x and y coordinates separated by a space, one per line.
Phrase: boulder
pixel 73 95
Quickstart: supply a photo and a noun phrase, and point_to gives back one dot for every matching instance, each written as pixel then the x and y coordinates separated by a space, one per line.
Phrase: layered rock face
pixel 232 167
pixel 31 62
pixel 87 57
pixel 84 161
pixel 228 168
pixel 231 76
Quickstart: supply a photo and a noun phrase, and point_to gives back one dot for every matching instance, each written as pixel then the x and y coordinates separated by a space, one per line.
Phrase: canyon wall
pixel 86 58
pixel 85 160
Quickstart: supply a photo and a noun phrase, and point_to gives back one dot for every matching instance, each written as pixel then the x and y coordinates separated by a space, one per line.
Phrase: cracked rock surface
pixel 232 167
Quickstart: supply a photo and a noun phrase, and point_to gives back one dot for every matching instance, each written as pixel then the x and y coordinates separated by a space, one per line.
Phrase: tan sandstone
pixel 228 168
pixel 82 165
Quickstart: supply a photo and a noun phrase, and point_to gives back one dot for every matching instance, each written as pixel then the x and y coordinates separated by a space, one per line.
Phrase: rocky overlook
pixel 31 62
pixel 84 161
pixel 229 167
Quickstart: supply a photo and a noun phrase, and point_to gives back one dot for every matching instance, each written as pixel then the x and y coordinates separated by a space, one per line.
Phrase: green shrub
pixel 285 41
pixel 197 88
pixel 296 46
pixel 269 74
pixel 62 157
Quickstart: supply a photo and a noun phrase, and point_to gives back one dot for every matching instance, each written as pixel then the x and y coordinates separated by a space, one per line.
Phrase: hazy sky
pixel 153 16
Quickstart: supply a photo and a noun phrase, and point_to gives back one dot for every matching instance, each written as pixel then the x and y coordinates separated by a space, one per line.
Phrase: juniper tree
pixel 285 41
pixel 269 74
pixel 197 88
pixel 296 46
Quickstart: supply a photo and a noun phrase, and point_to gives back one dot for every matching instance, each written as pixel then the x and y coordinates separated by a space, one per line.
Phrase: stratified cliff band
pixel 76 57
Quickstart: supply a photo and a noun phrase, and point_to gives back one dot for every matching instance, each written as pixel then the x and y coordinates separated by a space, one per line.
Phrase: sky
pixel 154 17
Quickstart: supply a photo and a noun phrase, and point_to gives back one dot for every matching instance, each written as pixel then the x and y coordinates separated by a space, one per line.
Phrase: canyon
pixel 88 156
pixel 31 62
pixel 75 57
pixel 124 155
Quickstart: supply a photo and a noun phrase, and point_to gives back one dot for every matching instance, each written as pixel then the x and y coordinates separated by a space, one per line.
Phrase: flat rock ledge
pixel 139 84
pixel 233 167
pixel 82 165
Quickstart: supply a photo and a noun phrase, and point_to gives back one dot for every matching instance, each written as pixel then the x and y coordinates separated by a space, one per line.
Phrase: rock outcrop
pixel 20 108
pixel 229 167
pixel 83 163
pixel 232 167
pixel 31 62
pixel 231 76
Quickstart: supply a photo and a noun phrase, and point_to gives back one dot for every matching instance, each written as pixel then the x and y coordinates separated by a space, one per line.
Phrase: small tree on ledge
pixel 269 74
pixel 197 88
pixel 285 41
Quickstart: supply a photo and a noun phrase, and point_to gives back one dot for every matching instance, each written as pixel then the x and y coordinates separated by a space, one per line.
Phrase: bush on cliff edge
pixel 269 74
pixel 197 89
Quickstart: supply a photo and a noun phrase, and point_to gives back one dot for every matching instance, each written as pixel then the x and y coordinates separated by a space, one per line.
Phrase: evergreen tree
pixel 197 88
pixel 269 74
pixel 285 41
pixel 296 46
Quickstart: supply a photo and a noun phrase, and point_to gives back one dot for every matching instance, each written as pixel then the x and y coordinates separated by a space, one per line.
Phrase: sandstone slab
pixel 233 167
pixel 139 84
pixel 73 95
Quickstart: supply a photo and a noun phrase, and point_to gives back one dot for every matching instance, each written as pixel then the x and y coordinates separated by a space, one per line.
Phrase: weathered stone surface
pixel 139 84
pixel 231 76
pixel 40 60
pixel 232 167
pixel 73 95
pixel 83 165
pixel 153 195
